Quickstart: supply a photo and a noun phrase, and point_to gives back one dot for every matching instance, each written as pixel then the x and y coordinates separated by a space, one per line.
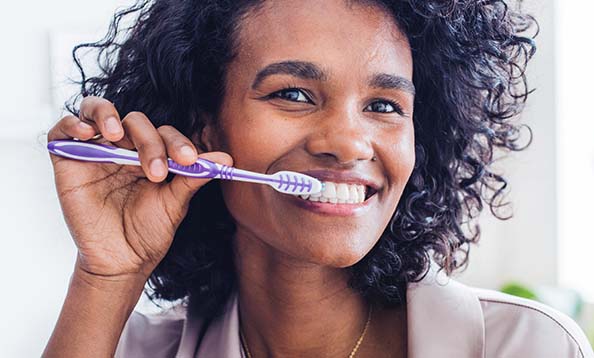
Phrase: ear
pixel 205 139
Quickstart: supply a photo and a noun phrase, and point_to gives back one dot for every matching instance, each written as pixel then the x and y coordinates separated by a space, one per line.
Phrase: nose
pixel 343 137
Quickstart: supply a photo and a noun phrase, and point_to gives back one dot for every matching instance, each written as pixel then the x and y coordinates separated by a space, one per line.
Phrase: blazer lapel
pixel 221 338
pixel 445 319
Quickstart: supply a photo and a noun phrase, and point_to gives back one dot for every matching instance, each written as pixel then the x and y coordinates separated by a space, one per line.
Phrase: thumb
pixel 183 188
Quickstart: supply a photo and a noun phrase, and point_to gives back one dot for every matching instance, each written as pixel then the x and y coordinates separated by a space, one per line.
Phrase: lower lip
pixel 335 209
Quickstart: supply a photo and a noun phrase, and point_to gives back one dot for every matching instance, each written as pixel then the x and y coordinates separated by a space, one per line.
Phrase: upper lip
pixel 347 177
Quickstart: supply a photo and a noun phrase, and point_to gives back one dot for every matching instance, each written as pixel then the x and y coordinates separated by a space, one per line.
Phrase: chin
pixel 344 253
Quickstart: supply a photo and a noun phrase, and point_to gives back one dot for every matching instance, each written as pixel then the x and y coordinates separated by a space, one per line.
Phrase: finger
pixel 179 147
pixel 70 127
pixel 125 142
pixel 182 188
pixel 150 146
pixel 102 113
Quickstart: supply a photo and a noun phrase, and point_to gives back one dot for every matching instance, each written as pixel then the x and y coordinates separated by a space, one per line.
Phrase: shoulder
pixel 152 334
pixel 517 327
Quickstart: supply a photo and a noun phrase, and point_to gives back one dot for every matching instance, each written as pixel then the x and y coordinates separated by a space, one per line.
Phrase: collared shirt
pixel 445 318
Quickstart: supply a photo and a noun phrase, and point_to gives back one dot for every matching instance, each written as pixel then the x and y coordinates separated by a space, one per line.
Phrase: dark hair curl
pixel 469 60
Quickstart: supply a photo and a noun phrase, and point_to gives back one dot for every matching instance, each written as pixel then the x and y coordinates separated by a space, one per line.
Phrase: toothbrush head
pixel 296 183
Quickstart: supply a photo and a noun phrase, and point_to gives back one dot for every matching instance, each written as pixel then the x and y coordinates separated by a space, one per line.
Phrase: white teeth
pixel 316 195
pixel 354 194
pixel 361 192
pixel 342 192
pixel 329 190
pixel 338 193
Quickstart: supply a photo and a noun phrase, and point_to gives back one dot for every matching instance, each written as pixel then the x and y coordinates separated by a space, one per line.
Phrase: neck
pixel 290 308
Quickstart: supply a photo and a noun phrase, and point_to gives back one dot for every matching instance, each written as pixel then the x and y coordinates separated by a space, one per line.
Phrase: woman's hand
pixel 123 218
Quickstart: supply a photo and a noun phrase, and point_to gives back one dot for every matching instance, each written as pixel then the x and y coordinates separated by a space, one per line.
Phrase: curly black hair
pixel 469 62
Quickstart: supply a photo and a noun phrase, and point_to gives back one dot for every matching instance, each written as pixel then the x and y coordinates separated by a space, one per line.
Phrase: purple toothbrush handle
pixel 201 169
pixel 101 153
pixel 92 152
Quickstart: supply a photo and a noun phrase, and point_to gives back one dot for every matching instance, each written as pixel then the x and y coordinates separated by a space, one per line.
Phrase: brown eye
pixel 291 94
pixel 384 107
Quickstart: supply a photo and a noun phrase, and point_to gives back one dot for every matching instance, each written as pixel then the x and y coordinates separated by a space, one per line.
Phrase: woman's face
pixel 319 88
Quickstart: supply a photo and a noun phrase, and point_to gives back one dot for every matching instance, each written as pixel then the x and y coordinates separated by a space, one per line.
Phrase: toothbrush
pixel 287 182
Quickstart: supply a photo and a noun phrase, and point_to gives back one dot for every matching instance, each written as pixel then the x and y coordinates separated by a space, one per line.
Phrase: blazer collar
pixel 444 318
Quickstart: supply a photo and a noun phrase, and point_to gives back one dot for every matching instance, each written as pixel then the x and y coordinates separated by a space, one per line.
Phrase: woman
pixel 327 88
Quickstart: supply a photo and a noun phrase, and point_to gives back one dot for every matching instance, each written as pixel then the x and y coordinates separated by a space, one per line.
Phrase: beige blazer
pixel 446 319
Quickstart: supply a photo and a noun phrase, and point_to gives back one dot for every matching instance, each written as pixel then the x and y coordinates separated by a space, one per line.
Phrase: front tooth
pixel 319 193
pixel 361 191
pixel 329 190
pixel 323 199
pixel 304 196
pixel 353 193
pixel 342 192
pixel 316 195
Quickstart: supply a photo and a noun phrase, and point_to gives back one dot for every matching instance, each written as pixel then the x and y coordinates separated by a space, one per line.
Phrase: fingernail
pixel 157 168
pixel 187 151
pixel 112 125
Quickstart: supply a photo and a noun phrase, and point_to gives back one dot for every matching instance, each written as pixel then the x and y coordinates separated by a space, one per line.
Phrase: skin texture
pixel 294 296
pixel 290 259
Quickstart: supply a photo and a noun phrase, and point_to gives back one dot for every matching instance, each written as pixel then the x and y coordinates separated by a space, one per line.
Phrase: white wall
pixel 37 252
pixel 576 144
pixel 524 248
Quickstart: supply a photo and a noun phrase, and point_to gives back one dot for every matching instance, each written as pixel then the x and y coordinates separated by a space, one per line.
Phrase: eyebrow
pixel 300 69
pixel 387 81
pixel 311 71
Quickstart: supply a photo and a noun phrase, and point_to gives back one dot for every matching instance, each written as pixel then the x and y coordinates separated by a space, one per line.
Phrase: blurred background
pixel 544 252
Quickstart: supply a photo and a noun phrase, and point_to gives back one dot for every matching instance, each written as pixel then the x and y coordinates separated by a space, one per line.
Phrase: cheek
pixel 401 160
pixel 256 141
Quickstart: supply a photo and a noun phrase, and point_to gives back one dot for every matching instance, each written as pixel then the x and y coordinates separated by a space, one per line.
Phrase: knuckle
pixel 65 125
pixel 71 121
pixel 85 101
pixel 93 108
pixel 51 134
pixel 96 109
pixel 67 119
pixel 87 105
pixel 166 128
pixel 143 147
pixel 151 150
pixel 137 115
pixel 133 118
pixel 166 133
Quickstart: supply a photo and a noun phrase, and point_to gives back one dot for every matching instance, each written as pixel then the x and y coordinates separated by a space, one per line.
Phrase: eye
pixel 384 106
pixel 291 94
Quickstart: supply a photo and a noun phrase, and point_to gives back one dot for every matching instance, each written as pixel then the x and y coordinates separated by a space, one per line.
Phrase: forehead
pixel 345 39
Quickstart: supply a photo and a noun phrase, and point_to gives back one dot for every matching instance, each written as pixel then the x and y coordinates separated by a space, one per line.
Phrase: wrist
pixel 94 314
pixel 108 283
pixel 126 289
